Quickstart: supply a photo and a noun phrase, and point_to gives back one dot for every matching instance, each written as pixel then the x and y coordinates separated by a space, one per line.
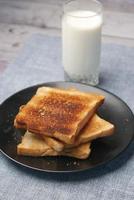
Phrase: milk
pixel 81 39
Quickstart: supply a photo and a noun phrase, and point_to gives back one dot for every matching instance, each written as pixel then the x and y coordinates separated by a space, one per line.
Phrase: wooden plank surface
pixel 13 38
pixel 47 14
pixel 19 19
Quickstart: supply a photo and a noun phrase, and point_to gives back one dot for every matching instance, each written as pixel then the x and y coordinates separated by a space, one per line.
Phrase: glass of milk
pixel 81 40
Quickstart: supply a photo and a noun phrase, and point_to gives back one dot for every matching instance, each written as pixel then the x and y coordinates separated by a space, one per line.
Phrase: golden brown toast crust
pixel 57 113
pixel 33 145
pixel 95 128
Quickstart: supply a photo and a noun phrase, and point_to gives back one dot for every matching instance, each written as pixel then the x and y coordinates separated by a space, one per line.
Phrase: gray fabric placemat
pixel 40 61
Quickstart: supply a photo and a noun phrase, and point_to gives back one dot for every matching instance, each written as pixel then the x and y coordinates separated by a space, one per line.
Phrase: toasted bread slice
pixel 34 145
pixel 95 128
pixel 54 143
pixel 82 151
pixel 58 113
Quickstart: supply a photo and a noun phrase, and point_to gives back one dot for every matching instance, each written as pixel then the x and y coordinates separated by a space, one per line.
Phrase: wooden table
pixel 19 19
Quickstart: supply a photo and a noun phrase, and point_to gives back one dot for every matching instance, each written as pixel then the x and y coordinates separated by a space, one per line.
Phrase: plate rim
pixel 60 82
pixel 74 170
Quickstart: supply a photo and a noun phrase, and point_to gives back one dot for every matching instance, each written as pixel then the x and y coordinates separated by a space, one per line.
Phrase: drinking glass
pixel 81 40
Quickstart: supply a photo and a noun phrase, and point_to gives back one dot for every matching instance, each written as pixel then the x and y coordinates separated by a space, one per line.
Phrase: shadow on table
pixel 104 79
pixel 116 164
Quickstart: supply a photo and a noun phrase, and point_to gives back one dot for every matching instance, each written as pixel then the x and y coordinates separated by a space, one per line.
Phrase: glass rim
pixel 100 10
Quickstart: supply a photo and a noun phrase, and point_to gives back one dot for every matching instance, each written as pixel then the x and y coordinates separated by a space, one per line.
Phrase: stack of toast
pixel 61 122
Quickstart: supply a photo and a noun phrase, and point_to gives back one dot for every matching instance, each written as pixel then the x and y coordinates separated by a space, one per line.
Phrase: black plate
pixel 103 150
